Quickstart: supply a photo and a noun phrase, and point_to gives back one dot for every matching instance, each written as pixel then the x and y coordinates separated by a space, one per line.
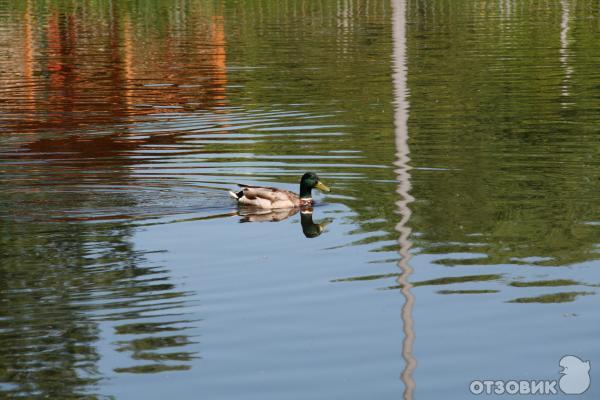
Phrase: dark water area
pixel 460 240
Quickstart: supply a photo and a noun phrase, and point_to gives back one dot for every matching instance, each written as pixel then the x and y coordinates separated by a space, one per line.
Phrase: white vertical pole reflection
pixel 564 45
pixel 403 177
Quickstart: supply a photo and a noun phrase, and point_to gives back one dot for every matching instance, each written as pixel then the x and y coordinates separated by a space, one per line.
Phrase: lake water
pixel 461 239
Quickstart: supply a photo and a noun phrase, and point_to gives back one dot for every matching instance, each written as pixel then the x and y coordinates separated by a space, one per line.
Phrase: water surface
pixel 460 241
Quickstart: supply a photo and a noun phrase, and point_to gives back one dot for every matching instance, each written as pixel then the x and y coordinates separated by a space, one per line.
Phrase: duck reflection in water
pixel 309 227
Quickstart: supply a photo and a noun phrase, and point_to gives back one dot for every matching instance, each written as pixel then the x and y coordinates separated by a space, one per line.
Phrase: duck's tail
pixel 235 195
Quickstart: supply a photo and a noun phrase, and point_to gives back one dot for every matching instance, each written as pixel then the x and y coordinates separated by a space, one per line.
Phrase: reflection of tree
pixel 335 67
pixel 507 189
pixel 58 280
pixel 93 76
pixel 47 345
pixel 500 178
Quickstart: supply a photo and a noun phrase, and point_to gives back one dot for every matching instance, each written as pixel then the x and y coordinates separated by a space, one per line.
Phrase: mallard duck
pixel 273 198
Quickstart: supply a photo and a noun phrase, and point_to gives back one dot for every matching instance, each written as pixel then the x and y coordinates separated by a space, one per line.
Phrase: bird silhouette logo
pixel 575 377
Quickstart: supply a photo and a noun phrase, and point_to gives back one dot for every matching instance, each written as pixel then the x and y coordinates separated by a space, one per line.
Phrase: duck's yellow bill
pixel 322 187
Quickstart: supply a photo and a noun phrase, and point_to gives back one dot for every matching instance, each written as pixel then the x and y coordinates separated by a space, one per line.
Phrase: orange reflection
pixel 219 59
pixel 28 63
pixel 103 66
pixel 85 68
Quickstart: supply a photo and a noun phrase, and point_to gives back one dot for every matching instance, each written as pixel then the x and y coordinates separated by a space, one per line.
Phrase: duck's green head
pixel 309 181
